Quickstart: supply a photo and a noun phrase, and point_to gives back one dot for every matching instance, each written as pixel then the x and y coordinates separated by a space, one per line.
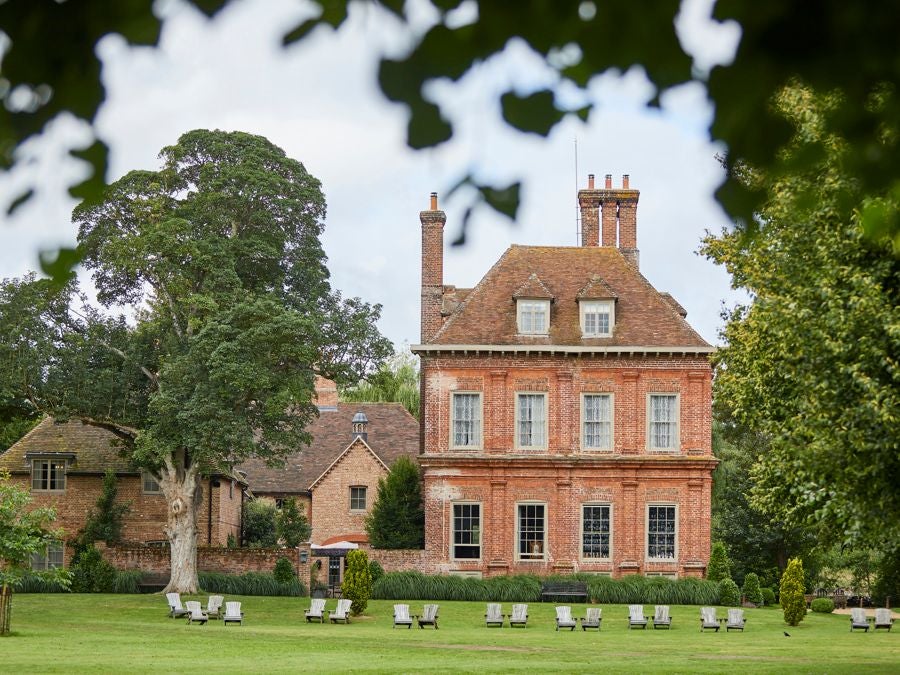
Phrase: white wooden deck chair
pixel 316 610
pixel 233 614
pixel 735 620
pixel 493 615
pixel 883 619
pixel 858 619
pixel 564 618
pixel 401 616
pixel 636 616
pixel 175 608
pixel 592 618
pixel 342 613
pixel 519 616
pixel 429 616
pixel 214 606
pixel 661 618
pixel 708 619
pixel 195 612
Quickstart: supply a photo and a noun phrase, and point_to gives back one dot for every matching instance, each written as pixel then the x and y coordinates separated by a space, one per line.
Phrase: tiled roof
pixel 597 289
pixel 533 288
pixel 644 317
pixel 92 446
pixel 391 432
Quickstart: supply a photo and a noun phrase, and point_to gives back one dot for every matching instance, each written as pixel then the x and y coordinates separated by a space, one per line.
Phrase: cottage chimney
pixel 628 200
pixel 360 426
pixel 433 222
pixel 589 203
pixel 326 394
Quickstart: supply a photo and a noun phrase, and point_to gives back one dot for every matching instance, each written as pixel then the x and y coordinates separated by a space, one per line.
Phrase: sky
pixel 319 101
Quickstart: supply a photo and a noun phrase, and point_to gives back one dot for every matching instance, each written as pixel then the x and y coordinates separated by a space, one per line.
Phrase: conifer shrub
pixel 793 603
pixel 284 571
pixel 376 571
pixel 768 596
pixel 719 567
pixel 751 590
pixel 822 605
pixel 357 585
pixel 729 593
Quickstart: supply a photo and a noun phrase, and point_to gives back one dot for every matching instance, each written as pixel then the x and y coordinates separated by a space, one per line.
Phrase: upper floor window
pixel 597 318
pixel 358 498
pixel 531 421
pixel 49 558
pixel 466 420
pixel 466 531
pixel 662 420
pixel 662 532
pixel 149 484
pixel 596 426
pixel 48 474
pixel 533 316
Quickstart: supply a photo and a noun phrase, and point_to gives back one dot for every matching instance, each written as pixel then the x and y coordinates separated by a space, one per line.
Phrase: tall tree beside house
pixel 397 519
pixel 291 526
pixel 217 258
pixel 396 381
pixel 24 531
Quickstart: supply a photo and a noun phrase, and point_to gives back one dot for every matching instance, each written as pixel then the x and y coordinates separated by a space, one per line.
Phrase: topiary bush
pixel 719 567
pixel 751 590
pixel 768 596
pixel 284 571
pixel 729 594
pixel 822 605
pixel 793 603
pixel 357 585
pixel 92 574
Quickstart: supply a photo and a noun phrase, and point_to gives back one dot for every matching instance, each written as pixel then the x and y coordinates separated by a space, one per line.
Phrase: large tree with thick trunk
pixel 215 261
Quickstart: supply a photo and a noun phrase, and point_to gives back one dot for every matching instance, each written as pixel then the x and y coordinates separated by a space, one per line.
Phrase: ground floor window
pixel 466 531
pixel 595 531
pixel 662 531
pixel 531 531
pixel 50 558
pixel 334 571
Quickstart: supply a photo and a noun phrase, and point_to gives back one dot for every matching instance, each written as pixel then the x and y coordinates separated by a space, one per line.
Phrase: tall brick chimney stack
pixel 433 222
pixel 609 216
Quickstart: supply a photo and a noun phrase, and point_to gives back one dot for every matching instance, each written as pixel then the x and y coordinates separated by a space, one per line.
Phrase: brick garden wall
pixel 400 560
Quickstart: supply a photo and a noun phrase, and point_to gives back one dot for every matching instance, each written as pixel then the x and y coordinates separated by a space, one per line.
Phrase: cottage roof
pixel 644 316
pixel 392 432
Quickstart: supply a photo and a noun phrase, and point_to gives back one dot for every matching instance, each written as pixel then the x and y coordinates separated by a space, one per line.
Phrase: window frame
pixel 675 534
pixel 545 422
pixel 533 304
pixel 453 530
pixel 365 498
pixel 531 557
pixel 585 307
pixel 612 416
pixel 50 462
pixel 676 422
pixel 609 508
pixel 145 475
pixel 41 561
pixel 479 433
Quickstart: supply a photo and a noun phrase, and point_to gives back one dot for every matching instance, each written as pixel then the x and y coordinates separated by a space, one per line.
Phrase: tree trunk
pixel 5 608
pixel 183 495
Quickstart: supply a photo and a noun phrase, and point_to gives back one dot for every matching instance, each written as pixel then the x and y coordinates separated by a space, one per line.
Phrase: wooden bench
pixel 552 590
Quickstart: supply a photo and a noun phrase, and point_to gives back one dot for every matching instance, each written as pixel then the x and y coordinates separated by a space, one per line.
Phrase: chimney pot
pixel 609 181
pixel 590 181
pixel 625 182
pixel 434 203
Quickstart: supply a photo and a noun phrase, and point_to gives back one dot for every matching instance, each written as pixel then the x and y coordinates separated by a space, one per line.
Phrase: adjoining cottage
pixel 567 409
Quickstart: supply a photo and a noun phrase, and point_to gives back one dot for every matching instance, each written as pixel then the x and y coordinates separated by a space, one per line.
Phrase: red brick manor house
pixel 566 409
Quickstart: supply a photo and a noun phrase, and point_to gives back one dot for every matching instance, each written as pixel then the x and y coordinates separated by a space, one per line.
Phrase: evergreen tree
pixel 398 517
pixel 719 565
pixel 791 593
pixel 291 526
pixel 751 590
pixel 729 594
pixel 357 585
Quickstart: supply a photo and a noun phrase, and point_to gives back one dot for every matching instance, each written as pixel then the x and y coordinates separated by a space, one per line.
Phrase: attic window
pixel 533 316
pixel 597 318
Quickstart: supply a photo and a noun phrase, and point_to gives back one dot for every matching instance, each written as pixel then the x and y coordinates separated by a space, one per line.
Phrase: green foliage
pixel 291 526
pixel 768 596
pixel 249 583
pixel 751 589
pixel 822 605
pixel 284 572
pixel 810 363
pixel 259 523
pixel 396 381
pixel 39 583
pixel 92 573
pixel 376 571
pixel 719 567
pixel 231 542
pixel 17 418
pixel 357 584
pixel 888 578
pixel 729 594
pixel 397 519
pixel 791 593
pixel 104 522
pixel 127 581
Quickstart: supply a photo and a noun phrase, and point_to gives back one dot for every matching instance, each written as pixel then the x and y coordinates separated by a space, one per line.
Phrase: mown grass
pixel 132 633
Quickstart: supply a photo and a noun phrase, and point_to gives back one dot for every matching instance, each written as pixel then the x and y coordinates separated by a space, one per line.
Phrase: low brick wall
pixel 400 560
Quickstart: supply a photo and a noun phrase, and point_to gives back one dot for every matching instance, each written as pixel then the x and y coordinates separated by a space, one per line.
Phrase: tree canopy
pixel 216 259
pixel 397 519
pixel 848 47
pixel 396 381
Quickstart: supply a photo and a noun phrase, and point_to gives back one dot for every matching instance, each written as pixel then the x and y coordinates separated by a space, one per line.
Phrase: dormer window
pixel 533 316
pixel 597 318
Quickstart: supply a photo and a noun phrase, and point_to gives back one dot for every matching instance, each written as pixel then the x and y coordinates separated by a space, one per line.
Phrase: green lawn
pixel 133 633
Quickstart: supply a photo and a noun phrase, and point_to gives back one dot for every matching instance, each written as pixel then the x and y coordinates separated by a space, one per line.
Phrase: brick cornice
pixel 507 462
pixel 565 350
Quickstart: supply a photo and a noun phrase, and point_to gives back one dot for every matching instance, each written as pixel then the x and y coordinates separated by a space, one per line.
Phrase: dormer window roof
pixel 533 289
pixel 596 289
